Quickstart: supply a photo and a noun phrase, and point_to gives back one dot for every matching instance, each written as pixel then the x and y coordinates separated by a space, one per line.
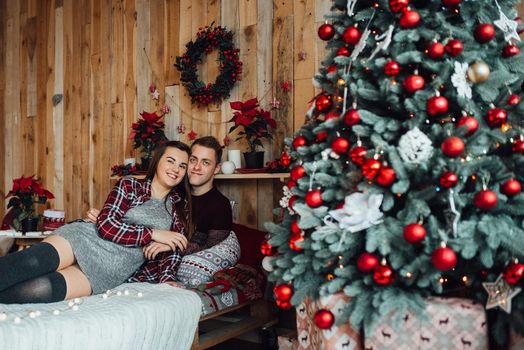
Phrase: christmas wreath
pixel 208 39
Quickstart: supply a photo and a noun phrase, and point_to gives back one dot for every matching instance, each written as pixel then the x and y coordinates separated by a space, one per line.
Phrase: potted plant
pixel 255 123
pixel 147 134
pixel 26 192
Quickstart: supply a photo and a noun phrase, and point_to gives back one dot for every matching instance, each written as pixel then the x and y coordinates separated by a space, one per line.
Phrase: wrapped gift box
pixel 452 324
pixel 310 337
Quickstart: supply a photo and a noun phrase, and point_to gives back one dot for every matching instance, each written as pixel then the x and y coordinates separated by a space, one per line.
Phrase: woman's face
pixel 172 167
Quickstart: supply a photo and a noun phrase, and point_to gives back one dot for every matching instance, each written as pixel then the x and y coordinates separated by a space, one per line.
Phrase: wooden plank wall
pixel 76 73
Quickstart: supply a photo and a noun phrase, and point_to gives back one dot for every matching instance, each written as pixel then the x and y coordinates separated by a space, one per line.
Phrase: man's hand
pixel 172 239
pixel 92 215
pixel 152 249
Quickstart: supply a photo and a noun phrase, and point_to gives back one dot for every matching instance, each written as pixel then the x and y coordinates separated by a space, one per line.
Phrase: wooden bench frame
pixel 262 314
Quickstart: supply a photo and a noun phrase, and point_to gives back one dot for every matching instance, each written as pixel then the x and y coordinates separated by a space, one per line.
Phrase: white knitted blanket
pixel 144 316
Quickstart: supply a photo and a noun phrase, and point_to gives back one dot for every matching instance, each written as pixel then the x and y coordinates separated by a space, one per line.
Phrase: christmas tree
pixel 409 166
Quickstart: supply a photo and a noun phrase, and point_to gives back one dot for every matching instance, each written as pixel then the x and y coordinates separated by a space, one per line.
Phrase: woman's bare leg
pixel 65 252
pixel 77 283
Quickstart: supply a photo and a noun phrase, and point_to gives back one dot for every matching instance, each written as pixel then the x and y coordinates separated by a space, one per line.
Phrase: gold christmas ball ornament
pixel 478 72
pixel 330 276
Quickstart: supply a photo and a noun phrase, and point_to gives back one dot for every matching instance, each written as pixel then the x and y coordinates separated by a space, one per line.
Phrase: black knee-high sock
pixel 43 289
pixel 38 260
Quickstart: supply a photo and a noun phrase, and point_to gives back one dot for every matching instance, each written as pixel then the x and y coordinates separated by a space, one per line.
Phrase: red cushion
pixel 250 240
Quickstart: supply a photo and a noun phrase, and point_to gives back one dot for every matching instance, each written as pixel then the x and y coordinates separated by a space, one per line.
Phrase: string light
pixel 409 274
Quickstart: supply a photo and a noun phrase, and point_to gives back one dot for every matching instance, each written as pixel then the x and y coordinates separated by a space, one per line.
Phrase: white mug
pixel 233 155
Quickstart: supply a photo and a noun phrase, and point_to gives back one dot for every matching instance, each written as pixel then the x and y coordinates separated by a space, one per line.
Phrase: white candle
pixel 233 155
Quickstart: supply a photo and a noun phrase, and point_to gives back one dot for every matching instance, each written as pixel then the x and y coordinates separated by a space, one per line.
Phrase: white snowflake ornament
pixel 415 147
pixel 284 201
pixel 507 26
pixel 459 80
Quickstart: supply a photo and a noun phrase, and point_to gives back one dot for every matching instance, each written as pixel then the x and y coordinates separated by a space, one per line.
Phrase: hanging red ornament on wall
pixel 448 179
pixel 511 188
pixel 321 136
pixel 454 47
pixel 344 51
pixel 444 258
pixel 283 292
pixel 314 198
pixel 514 272
pixel 435 50
pixel 294 240
pixel 370 168
pixel 299 141
pixel 297 172
pixel 340 145
pixel 485 200
pixel 323 103
pixel 326 31
pixel 496 117
pixel 471 124
pixel 413 83
pixel 332 69
pixel 414 233
pixel 266 248
pixel 367 262
pixel 351 117
pixel 510 50
pixel 449 3
pixel 484 33
pixel 383 275
pixel 351 35
pixel 409 19
pixel 452 146
pixel 358 154
pixel 437 105
pixel 324 319
pixel 391 68
pixel 386 176
pixel 513 100
pixel 398 6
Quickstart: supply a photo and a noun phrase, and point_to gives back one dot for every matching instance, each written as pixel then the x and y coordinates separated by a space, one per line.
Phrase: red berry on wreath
pixel 484 33
pixel 326 31
pixel 367 262
pixel 414 233
pixel 324 319
pixel 314 198
pixel 351 35
pixel 511 188
pixel 452 146
pixel 485 200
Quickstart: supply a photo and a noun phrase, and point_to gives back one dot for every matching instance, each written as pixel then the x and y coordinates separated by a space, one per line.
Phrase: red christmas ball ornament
pixel 414 233
pixel 409 19
pixel 324 319
pixel 292 201
pixel 358 155
pixel 484 33
pixel 448 179
pixel 510 50
pixel 370 168
pixel 511 188
pixel 398 6
pixel 351 35
pixel 513 100
pixel 391 68
pixel 314 198
pixel 437 105
pixel 290 184
pixel 331 115
pixel 470 123
pixel 496 117
pixel 367 262
pixel 284 305
pixel 485 200
pixel 297 172
pixel 283 292
pixel 293 240
pixel 514 272
pixel 383 275
pixel 413 83
pixel 340 145
pixel 295 230
pixel 435 50
pixel 343 51
pixel 299 141
pixel 323 103
pixel 449 3
pixel 351 117
pixel 386 176
pixel 444 258
pixel 332 69
pixel 452 146
pixel 518 147
pixel 266 248
pixel 326 31
pixel 321 136
pixel 454 47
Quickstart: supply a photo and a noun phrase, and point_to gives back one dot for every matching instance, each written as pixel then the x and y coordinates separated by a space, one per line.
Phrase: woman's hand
pixel 152 249
pixel 172 239
pixel 92 215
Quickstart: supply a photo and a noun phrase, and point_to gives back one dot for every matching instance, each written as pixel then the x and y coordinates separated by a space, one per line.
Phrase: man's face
pixel 202 166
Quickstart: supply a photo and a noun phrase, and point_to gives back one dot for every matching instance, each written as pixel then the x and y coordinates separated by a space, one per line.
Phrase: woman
pixel 83 258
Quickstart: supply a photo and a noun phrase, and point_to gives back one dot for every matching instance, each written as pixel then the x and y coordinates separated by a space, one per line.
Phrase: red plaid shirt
pixel 129 193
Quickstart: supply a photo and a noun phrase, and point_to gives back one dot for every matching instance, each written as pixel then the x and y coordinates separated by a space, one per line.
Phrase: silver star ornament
pixel 500 294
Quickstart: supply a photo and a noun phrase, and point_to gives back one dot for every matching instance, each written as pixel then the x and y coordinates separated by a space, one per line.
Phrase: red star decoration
pixel 192 135
pixel 286 86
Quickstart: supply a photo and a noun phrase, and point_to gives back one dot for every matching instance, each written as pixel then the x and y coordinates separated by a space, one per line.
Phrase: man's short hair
pixel 209 142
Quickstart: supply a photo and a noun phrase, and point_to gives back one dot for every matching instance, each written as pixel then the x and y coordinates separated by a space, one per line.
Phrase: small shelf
pixel 281 176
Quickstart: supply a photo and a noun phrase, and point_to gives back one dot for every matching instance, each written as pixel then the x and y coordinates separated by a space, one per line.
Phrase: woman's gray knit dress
pixel 107 264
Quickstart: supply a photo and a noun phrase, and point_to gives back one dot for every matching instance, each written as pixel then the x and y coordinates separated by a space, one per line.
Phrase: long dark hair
pixel 184 208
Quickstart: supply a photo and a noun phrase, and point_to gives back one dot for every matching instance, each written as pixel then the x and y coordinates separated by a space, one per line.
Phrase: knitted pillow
pixel 199 267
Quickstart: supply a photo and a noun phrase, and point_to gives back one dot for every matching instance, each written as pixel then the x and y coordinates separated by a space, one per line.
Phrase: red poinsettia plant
pixel 148 133
pixel 26 192
pixel 255 122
